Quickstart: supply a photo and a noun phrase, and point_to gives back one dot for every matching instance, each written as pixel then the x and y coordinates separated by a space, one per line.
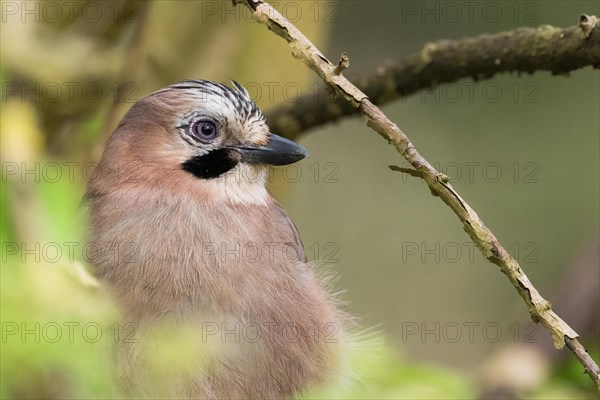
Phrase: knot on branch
pixel 343 64
pixel 587 23
pixel 442 178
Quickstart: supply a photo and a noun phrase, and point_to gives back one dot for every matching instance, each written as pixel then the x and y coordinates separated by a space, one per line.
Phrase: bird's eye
pixel 205 130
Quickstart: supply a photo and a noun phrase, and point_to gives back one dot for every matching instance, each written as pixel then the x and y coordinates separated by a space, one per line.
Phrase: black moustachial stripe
pixel 213 164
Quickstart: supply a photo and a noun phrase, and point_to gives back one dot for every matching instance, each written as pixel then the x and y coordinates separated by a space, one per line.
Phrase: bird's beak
pixel 279 151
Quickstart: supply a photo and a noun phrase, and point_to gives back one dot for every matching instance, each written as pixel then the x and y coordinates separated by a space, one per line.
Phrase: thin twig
pixel 539 308
pixel 343 64
pixel 522 50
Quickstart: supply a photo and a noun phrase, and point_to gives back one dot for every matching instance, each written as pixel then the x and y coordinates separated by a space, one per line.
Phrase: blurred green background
pixel 440 321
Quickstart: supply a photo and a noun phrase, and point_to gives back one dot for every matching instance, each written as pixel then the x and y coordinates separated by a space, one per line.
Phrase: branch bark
pixel 539 308
pixel 547 48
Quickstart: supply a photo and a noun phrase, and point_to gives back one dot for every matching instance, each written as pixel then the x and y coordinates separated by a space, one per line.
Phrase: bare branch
pixel 547 48
pixel 539 308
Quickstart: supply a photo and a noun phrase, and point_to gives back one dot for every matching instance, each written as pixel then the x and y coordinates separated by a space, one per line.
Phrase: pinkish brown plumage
pixel 181 184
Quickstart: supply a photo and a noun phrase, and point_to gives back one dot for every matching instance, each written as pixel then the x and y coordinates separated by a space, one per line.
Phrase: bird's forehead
pixel 213 102
pixel 219 98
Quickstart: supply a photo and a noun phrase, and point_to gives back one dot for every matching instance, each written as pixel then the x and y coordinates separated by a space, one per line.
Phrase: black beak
pixel 279 151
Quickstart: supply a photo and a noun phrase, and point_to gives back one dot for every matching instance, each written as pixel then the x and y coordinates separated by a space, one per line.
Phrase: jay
pixel 180 190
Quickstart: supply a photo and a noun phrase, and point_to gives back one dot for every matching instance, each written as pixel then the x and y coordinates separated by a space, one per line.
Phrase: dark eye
pixel 205 130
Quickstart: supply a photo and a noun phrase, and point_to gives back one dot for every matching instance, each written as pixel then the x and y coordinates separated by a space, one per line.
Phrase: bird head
pixel 201 135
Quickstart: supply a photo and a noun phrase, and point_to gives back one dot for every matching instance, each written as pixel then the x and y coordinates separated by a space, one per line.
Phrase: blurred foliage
pixel 48 351
pixel 149 45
